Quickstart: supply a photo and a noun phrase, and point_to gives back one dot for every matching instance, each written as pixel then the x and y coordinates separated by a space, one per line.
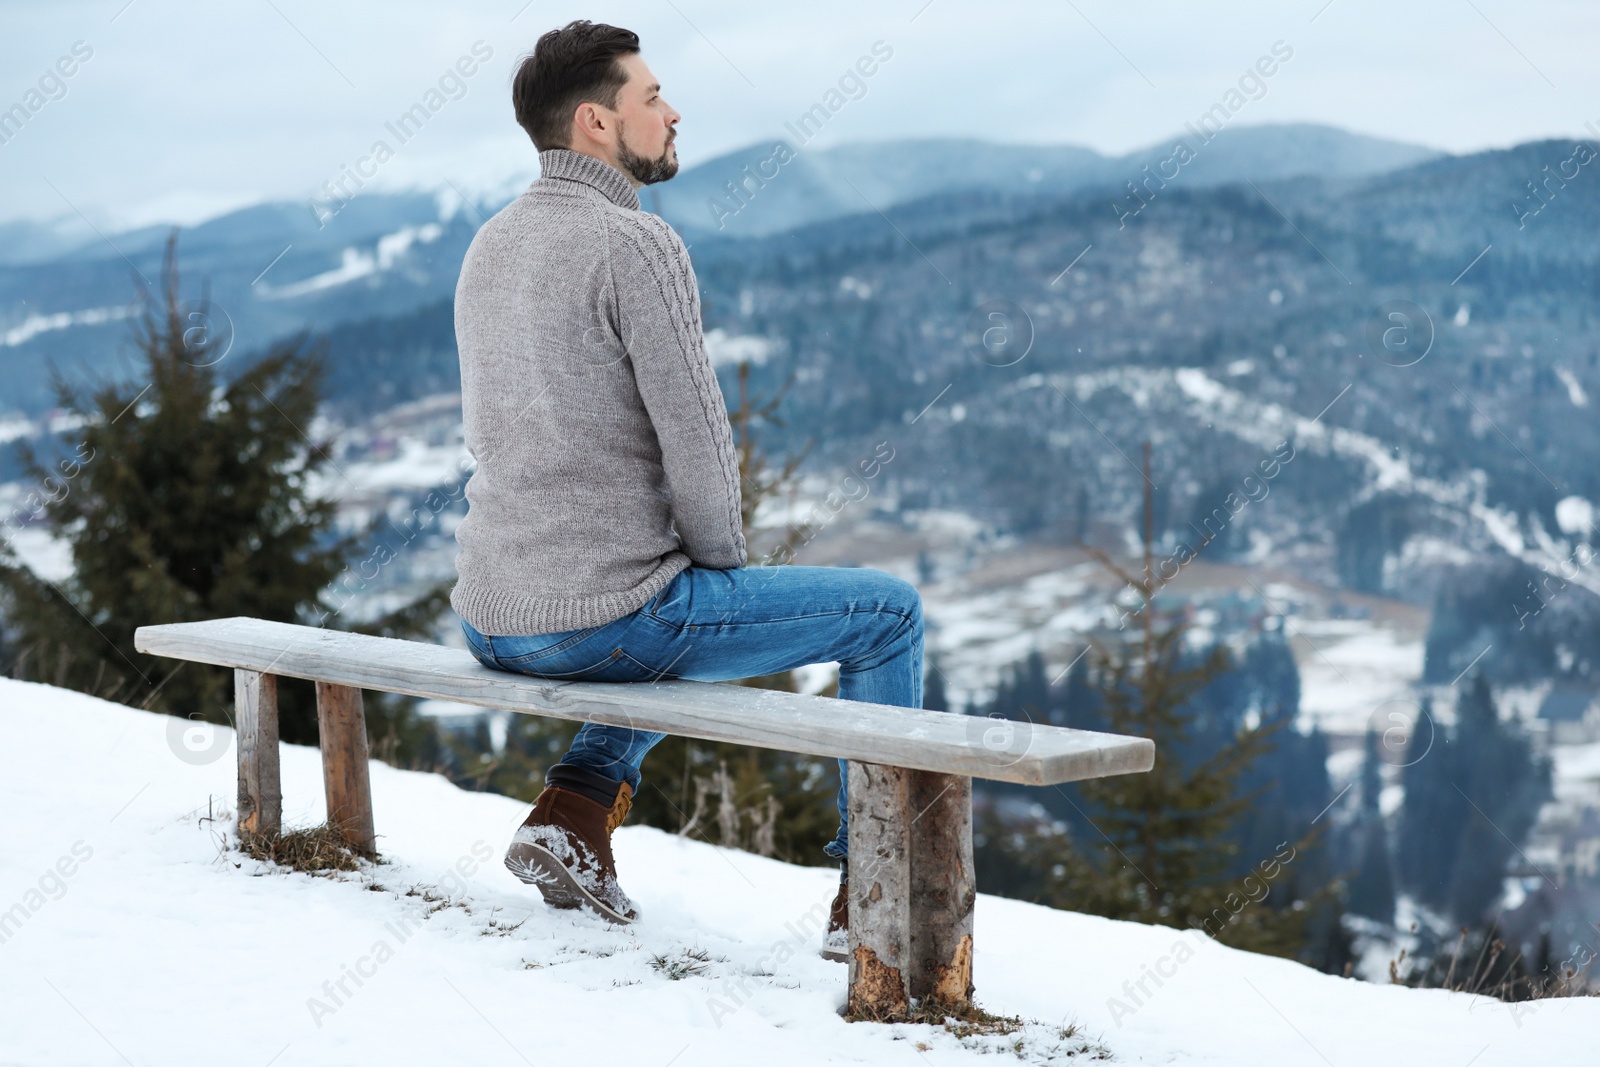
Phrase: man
pixel 604 538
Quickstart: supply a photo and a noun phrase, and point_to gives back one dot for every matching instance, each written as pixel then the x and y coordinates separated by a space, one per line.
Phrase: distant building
pixel 1573 712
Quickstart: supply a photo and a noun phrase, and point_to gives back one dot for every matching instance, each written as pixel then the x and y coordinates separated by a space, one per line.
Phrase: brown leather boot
pixel 836 942
pixel 564 845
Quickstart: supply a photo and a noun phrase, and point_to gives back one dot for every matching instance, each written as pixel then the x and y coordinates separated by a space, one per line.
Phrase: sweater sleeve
pixel 658 311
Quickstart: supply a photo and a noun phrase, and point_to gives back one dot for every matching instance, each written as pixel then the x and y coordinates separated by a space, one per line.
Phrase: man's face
pixel 645 122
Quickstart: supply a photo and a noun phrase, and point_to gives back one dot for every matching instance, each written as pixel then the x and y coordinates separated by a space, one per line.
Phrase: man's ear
pixel 591 125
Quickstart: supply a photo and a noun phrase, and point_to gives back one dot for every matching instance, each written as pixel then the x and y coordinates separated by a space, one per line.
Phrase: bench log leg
pixel 880 940
pixel 255 702
pixel 342 726
pixel 943 887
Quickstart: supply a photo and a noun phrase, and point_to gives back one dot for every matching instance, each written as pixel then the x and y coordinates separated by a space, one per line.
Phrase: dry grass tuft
pixel 685 964
pixel 979 1031
pixel 963 1020
pixel 317 848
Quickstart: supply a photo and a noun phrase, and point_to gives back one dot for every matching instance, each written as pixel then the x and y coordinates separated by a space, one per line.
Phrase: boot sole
pixel 538 866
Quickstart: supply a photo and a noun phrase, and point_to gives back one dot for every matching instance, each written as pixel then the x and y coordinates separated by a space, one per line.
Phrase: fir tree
pixel 1372 888
pixel 183 498
pixel 1171 835
pixel 1025 694
pixel 1470 800
pixel 934 695
pixel 758 479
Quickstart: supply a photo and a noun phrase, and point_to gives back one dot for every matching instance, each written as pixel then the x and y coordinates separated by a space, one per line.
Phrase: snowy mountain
pixel 132 934
pixel 783 191
pixel 274 268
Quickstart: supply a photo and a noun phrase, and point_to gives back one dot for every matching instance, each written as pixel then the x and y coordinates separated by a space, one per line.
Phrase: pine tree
pixel 1171 850
pixel 934 695
pixel 184 497
pixel 1503 785
pixel 1372 888
pixel 1470 800
pixel 1027 695
pixel 758 480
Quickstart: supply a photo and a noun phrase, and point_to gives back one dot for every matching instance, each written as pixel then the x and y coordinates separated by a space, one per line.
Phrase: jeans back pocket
pixel 671 604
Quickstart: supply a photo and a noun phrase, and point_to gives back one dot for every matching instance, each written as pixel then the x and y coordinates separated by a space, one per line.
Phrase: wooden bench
pixel 912 885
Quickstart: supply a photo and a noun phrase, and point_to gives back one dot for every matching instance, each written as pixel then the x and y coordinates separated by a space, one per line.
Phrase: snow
pixel 48 557
pixel 1389 467
pixel 728 350
pixel 417 466
pixel 1575 515
pixel 1577 773
pixel 36 324
pixel 1575 392
pixel 978 624
pixel 15 426
pixel 133 937
pixel 357 263
pixel 1356 672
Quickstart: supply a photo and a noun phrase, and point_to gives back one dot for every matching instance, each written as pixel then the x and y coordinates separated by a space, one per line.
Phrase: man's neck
pixel 595 153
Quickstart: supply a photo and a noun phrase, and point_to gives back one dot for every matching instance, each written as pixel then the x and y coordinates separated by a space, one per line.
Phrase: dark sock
pixel 584 782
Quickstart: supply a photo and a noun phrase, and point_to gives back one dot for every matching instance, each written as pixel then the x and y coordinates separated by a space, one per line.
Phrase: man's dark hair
pixel 568 67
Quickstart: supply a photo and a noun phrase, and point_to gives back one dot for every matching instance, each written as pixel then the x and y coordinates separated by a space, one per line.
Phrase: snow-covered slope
pixel 130 935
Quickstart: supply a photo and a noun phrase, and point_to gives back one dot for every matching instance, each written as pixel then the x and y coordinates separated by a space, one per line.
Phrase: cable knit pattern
pixel 605 458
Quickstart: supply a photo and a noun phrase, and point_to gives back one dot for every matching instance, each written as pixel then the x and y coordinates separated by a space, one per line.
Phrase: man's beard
pixel 646 171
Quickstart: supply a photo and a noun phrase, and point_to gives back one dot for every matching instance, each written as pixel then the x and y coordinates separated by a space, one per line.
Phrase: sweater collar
pixel 573 166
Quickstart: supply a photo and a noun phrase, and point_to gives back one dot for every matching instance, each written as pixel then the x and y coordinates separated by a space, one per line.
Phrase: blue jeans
pixel 714 625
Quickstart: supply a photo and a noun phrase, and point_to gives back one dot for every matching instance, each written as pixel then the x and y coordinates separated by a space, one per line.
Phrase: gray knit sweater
pixel 605 461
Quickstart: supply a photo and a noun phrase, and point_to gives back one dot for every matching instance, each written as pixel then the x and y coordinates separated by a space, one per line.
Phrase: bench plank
pixel 947 742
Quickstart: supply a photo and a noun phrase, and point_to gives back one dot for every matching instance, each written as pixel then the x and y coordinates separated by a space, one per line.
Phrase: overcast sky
pixel 185 109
